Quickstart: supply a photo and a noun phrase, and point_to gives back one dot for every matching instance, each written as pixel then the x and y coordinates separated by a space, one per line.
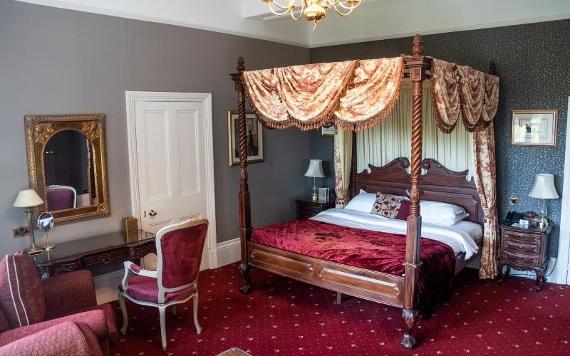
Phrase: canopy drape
pixel 359 94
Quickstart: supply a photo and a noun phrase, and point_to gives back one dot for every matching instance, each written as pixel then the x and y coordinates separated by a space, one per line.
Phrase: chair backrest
pixel 60 197
pixel 179 249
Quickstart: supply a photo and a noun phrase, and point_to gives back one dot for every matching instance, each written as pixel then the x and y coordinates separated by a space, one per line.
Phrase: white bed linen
pixel 461 237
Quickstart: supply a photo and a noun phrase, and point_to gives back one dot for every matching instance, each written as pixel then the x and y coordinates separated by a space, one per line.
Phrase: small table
pixel 306 208
pixel 96 250
pixel 524 249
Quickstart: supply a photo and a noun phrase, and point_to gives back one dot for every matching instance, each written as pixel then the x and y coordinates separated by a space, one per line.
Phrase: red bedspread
pixel 378 251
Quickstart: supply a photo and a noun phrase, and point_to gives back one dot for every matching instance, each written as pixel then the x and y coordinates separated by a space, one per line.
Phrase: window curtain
pixel 342 165
pixel 485 179
pixel 392 139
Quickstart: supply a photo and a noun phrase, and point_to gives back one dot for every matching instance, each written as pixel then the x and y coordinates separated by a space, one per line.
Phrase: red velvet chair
pixel 29 305
pixel 175 281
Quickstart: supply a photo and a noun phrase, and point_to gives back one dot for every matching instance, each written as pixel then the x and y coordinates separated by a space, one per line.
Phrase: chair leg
pixel 162 312
pixel 196 323
pixel 124 312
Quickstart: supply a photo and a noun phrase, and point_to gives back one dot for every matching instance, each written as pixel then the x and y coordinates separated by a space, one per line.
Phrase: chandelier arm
pixel 284 11
pixel 302 6
pixel 341 13
pixel 333 3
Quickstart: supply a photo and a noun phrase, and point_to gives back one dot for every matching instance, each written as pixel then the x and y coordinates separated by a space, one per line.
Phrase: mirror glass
pixel 68 171
pixel 45 221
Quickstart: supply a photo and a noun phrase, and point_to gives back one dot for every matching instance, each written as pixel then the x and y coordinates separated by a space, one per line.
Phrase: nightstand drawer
pixel 522 237
pixel 520 248
pixel 522 260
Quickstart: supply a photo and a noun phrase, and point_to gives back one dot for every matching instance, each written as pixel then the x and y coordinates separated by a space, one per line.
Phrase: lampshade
pixel 544 187
pixel 315 169
pixel 27 198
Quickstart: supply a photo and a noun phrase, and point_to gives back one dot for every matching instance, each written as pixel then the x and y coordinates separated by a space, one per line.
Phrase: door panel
pixel 171 161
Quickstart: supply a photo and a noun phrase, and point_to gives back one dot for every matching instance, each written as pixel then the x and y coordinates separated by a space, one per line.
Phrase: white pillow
pixel 363 202
pixel 438 213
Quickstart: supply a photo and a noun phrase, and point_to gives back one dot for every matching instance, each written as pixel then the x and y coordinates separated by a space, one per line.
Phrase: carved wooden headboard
pixel 437 183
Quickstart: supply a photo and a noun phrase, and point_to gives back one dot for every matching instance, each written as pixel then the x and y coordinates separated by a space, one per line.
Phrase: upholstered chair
pixel 60 197
pixel 29 304
pixel 175 281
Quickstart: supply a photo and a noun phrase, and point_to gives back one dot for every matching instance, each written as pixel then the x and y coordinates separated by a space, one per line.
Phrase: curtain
pixel 392 139
pixel 342 166
pixel 485 179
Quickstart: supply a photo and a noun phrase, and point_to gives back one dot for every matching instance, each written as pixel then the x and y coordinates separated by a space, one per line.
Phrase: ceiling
pixel 374 19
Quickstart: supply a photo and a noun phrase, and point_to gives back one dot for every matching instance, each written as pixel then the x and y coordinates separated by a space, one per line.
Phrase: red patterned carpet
pixel 284 317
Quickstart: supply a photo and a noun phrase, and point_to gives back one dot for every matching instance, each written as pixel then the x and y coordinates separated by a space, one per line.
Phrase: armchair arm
pixel 133 268
pixel 62 339
pixel 69 292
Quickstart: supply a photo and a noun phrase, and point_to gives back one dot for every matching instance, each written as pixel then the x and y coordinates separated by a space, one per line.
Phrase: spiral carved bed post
pixel 415 64
pixel 244 202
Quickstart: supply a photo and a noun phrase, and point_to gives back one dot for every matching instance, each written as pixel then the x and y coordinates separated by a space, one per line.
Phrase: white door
pixel 172 168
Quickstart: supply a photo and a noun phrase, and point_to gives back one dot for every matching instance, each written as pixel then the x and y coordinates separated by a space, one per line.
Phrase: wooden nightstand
pixel 524 249
pixel 306 208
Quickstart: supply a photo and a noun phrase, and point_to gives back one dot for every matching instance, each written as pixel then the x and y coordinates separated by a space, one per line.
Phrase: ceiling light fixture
pixel 312 10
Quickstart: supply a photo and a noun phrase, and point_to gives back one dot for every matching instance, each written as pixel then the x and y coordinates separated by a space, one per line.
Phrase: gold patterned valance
pixel 353 94
pixel 463 91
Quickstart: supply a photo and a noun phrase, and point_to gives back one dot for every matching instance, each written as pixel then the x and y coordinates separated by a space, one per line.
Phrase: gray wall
pixel 532 62
pixel 55 61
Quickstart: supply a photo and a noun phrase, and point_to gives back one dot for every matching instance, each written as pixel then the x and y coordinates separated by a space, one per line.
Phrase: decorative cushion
pixel 146 289
pixel 391 206
pixel 21 294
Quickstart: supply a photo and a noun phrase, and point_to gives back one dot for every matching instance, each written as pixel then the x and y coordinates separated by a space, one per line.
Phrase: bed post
pixel 244 202
pixel 415 65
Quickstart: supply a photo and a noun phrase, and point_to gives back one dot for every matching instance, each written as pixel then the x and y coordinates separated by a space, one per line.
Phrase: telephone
pixel 513 217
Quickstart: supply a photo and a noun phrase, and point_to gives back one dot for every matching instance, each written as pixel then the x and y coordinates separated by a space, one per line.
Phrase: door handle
pixel 152 213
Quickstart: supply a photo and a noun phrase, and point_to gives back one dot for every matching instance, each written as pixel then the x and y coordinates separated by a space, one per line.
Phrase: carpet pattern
pixel 285 317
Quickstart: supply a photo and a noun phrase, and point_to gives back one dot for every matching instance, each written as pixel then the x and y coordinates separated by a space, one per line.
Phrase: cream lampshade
pixel 315 171
pixel 543 189
pixel 28 198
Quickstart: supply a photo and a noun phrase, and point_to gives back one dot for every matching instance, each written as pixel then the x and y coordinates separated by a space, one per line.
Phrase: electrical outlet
pixel 20 231
pixel 513 200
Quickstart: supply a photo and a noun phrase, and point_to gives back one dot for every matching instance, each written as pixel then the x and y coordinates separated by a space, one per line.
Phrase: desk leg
pixel 539 279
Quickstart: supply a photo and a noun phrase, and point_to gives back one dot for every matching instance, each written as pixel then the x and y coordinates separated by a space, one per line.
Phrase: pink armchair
pixel 66 338
pixel 179 249
pixel 29 305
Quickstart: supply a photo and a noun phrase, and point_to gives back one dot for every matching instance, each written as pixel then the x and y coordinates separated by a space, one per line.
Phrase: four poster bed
pixel 356 258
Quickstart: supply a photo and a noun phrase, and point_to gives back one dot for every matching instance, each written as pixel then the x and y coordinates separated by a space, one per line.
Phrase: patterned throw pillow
pixel 390 206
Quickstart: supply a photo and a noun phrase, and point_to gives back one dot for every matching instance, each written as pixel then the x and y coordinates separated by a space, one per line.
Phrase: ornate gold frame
pixel 39 129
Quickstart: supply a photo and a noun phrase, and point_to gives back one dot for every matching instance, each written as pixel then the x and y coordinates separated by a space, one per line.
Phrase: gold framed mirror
pixel 67 165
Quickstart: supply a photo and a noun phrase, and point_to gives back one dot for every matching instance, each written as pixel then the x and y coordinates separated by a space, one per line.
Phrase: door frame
pixel 132 97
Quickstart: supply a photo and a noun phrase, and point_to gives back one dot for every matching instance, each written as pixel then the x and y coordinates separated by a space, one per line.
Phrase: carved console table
pixel 93 251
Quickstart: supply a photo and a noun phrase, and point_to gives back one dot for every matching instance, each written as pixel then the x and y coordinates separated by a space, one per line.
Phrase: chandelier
pixel 312 10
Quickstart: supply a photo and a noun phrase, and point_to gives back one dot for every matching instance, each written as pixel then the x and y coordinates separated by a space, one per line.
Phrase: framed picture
pixel 254 138
pixel 534 128
pixel 328 131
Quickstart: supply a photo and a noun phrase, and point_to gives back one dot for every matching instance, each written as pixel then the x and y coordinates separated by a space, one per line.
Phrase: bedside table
pixel 524 249
pixel 306 208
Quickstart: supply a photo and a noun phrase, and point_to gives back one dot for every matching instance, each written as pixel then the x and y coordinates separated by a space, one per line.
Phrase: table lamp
pixel 315 171
pixel 543 189
pixel 28 198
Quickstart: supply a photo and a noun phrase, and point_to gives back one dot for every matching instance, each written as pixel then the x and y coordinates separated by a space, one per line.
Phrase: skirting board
pixel 106 284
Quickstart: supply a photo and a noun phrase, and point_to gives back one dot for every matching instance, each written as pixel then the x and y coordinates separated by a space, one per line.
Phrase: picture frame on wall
pixel 328 131
pixel 534 128
pixel 254 138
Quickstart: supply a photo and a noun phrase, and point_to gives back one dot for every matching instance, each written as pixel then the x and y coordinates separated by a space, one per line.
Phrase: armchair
pixel 29 305
pixel 179 249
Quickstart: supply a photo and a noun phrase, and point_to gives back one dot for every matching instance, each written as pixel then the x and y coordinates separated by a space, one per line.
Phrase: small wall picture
pixel 254 138
pixel 328 131
pixel 534 128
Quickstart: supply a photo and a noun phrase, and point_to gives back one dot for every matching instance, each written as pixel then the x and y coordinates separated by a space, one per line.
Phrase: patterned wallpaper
pixel 533 62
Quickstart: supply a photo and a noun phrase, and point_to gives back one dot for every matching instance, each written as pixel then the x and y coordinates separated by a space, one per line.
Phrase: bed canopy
pixel 358 94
